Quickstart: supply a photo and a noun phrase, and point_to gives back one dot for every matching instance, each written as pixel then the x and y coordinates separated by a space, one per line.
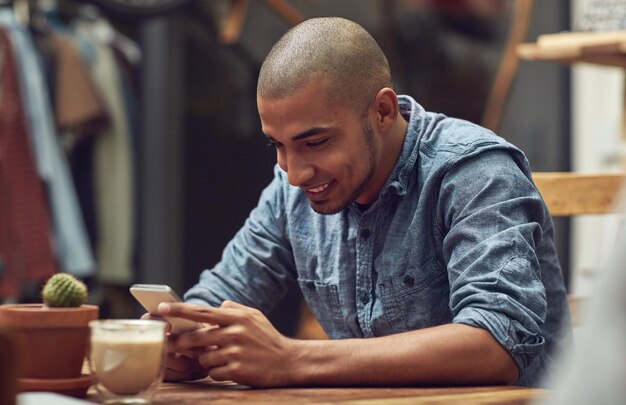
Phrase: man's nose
pixel 298 170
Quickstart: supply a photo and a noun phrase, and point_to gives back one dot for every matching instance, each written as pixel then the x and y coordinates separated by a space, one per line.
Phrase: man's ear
pixel 386 107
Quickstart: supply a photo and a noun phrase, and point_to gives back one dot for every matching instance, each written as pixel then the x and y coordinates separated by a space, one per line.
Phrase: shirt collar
pixel 401 173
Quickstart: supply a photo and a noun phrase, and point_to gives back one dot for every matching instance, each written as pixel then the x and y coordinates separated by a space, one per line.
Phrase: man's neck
pixel 390 151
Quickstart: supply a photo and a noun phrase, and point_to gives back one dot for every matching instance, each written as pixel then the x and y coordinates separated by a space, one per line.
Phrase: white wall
pixel 597 145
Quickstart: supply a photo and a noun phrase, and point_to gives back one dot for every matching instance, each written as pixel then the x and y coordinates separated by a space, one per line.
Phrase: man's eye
pixel 273 144
pixel 317 143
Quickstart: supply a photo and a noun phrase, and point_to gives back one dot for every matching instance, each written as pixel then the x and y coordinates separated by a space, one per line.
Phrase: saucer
pixel 74 387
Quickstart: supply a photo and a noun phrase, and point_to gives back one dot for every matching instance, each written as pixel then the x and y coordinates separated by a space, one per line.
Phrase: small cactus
pixel 64 290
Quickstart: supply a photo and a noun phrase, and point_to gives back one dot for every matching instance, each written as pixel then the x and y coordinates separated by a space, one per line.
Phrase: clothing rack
pixel 24 9
pixel 73 144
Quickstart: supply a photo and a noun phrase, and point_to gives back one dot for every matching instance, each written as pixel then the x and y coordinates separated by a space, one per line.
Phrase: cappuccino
pixel 127 366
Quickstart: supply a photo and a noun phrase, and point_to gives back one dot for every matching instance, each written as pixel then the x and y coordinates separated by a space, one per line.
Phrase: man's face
pixel 326 149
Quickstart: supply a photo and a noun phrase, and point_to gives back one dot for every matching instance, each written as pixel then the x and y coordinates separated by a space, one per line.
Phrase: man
pixel 419 241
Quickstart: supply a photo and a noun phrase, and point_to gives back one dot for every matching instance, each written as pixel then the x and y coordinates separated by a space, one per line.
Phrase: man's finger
pixel 184 364
pixel 183 368
pixel 199 313
pixel 213 358
pixel 175 375
pixel 177 348
pixel 233 305
pixel 220 373
pixel 193 342
pixel 150 317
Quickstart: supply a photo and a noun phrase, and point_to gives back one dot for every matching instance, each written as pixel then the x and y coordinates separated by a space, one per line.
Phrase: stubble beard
pixel 323 208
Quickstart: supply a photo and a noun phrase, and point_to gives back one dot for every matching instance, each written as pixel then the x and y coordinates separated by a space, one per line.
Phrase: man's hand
pixel 151 317
pixel 182 367
pixel 244 348
pixel 247 349
pixel 179 366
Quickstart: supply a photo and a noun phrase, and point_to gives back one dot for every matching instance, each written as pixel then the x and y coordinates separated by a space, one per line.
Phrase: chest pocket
pixel 323 300
pixel 417 299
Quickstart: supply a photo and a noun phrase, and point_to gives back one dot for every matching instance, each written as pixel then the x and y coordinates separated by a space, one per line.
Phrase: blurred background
pixel 141 121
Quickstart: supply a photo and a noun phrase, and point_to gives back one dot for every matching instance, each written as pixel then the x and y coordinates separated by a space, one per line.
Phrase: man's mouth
pixel 320 192
pixel 318 189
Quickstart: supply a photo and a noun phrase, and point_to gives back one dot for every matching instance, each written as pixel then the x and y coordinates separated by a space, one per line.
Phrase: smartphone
pixel 151 295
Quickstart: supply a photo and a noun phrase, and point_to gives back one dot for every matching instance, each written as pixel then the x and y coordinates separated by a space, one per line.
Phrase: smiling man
pixel 419 241
pixel 330 151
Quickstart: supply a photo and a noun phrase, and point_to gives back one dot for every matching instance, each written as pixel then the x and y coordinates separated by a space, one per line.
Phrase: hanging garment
pixel 113 166
pixel 25 224
pixel 78 107
pixel 71 242
pixel 80 112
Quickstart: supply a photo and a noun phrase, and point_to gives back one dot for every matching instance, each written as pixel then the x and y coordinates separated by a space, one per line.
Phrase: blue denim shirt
pixel 458 234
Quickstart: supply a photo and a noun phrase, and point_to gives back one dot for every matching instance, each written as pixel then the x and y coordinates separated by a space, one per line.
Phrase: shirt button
pixel 365 234
pixel 408 280
pixel 365 298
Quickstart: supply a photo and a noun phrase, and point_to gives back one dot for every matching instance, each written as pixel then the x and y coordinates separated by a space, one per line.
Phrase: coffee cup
pixel 127 359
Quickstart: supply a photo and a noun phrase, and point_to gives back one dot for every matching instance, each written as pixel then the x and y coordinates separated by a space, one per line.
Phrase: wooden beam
pixel 603 48
pixel 568 193
pixel 508 65
pixel 231 28
pixel 284 9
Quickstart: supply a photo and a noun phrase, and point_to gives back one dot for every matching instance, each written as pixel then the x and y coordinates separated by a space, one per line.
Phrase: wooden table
pixel 207 392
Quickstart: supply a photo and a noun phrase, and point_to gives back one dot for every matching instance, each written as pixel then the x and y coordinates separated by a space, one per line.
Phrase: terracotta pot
pixel 50 342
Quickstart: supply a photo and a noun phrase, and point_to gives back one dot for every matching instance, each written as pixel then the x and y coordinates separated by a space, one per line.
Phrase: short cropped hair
pixel 339 49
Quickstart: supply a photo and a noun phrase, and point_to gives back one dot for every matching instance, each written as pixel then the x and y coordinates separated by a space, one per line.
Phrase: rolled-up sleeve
pixel 257 264
pixel 492 215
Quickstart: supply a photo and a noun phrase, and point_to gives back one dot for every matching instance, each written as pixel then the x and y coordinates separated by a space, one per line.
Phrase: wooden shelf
pixel 568 194
pixel 601 48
